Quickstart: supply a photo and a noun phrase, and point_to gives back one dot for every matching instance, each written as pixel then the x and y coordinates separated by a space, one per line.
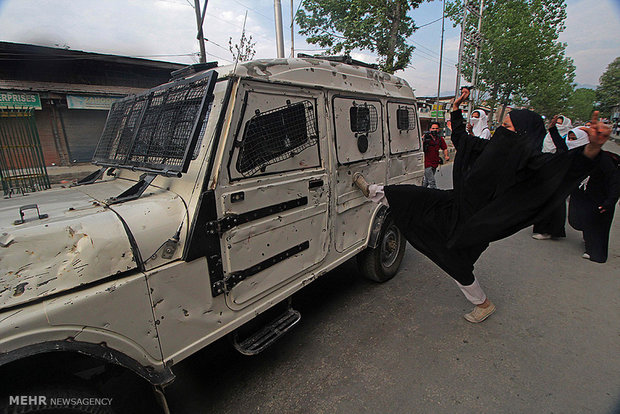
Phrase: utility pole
pixel 457 88
pixel 476 40
pixel 292 31
pixel 199 21
pixel 277 10
pixel 470 36
pixel 443 17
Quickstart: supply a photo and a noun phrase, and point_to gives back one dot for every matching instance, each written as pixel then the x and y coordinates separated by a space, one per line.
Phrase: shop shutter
pixel 83 128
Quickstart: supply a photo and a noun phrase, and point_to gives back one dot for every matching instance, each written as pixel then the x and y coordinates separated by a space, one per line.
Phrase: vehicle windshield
pixel 157 131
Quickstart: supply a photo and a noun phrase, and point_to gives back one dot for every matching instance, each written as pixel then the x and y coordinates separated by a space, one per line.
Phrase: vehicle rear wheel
pixel 380 264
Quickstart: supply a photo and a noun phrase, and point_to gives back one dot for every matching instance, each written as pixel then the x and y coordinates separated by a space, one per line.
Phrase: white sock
pixel 473 292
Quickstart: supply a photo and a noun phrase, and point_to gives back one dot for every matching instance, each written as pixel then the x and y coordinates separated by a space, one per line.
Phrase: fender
pixel 98 351
pixel 377 224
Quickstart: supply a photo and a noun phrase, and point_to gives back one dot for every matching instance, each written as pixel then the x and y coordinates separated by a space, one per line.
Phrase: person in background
pixel 562 125
pixel 591 207
pixel 478 125
pixel 501 186
pixel 553 226
pixel 433 142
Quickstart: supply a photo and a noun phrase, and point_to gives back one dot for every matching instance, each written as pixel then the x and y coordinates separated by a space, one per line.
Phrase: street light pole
pixel 277 10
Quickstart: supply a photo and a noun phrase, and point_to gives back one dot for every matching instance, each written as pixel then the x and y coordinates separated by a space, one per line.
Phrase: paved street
pixel 553 346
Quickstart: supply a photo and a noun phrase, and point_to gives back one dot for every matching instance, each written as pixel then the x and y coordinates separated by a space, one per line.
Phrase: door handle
pixel 315 184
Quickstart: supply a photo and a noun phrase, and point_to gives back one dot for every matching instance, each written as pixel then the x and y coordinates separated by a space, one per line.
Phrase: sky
pixel 166 30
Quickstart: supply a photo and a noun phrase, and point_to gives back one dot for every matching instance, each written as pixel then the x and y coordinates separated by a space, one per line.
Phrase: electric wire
pixel 254 10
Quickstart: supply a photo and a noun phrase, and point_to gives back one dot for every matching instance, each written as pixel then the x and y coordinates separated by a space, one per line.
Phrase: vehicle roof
pixel 315 72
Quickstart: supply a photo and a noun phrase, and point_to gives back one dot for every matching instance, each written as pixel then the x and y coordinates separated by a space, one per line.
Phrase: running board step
pixel 262 339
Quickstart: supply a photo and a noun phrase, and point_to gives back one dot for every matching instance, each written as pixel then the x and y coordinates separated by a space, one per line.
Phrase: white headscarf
pixel 563 128
pixel 582 138
pixel 481 126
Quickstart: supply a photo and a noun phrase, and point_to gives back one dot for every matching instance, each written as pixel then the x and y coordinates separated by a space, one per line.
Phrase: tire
pixel 61 393
pixel 380 264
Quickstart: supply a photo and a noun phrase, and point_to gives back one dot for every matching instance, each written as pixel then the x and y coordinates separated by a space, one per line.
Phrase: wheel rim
pixel 390 246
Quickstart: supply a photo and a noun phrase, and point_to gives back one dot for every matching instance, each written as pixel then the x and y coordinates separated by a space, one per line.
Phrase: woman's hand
pixel 598 134
pixel 458 101
pixel 554 121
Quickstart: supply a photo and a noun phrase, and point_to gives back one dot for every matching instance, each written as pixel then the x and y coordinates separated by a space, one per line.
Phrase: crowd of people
pixel 519 176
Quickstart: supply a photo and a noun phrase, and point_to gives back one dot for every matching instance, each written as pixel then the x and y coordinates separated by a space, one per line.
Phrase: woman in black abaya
pixel 501 186
pixel 553 226
pixel 592 205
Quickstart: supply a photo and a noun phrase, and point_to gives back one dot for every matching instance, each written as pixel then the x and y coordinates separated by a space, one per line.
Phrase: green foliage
pixel 520 55
pixel 378 26
pixel 581 104
pixel 608 92
pixel 551 93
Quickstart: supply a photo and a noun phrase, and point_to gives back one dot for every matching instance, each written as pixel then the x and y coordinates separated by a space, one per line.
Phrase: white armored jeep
pixel 220 194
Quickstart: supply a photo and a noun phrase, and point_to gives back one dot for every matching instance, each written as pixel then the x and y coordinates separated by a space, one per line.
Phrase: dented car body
pixel 205 215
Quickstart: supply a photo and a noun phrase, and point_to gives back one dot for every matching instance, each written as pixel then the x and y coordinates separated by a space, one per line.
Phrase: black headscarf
pixel 529 124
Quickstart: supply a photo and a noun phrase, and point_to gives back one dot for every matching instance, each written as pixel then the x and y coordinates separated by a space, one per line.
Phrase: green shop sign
pixel 90 102
pixel 434 114
pixel 20 100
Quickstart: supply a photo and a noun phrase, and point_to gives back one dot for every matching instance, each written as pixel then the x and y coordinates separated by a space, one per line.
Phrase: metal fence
pixel 22 168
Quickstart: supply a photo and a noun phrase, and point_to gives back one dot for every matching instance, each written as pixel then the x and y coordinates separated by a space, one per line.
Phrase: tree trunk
pixel 391 52
pixel 505 100
pixel 493 103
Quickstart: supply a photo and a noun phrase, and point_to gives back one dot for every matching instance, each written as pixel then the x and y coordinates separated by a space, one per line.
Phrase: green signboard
pixel 20 100
pixel 434 114
pixel 90 102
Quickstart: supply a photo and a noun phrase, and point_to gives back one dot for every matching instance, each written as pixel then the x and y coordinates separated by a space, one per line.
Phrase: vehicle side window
pixel 403 128
pixel 280 135
pixel 358 133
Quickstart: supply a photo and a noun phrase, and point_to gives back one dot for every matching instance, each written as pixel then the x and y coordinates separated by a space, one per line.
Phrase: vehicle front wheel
pixel 380 264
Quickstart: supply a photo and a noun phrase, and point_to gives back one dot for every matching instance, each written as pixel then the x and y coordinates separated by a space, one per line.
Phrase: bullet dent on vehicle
pixel 58 254
pixel 82 321
pixel 153 220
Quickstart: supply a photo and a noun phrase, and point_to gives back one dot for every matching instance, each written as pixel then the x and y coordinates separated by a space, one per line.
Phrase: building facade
pixel 71 93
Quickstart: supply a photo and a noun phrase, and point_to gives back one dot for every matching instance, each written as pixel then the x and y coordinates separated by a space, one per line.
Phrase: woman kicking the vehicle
pixel 501 186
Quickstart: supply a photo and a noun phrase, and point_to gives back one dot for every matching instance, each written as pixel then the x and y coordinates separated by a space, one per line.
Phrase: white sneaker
pixel 539 236
pixel 585 256
pixel 480 314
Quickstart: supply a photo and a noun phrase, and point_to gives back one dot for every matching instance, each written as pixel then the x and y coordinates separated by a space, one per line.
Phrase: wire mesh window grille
pixel 406 118
pixel 276 135
pixel 158 129
pixel 363 117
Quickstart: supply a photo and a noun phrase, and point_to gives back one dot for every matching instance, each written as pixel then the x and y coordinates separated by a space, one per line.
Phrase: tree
pixel 244 50
pixel 550 94
pixel 379 26
pixel 520 54
pixel 608 92
pixel 581 104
